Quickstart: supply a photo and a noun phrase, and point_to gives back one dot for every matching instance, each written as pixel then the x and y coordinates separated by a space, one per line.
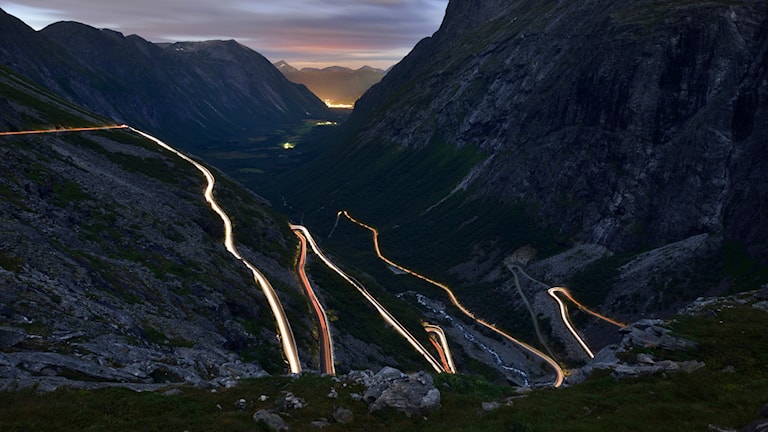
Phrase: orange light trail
pixel 326 344
pixel 442 347
pixel 566 293
pixel 549 360
pixel 78 129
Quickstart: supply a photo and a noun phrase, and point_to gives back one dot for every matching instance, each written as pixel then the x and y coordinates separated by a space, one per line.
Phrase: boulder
pixel 431 400
pixel 273 421
pixel 756 426
pixel 241 404
pixel 388 373
pixel 10 336
pixel 414 394
pixel 291 401
pixel 644 358
pixel 319 424
pixel 490 406
pixel 343 415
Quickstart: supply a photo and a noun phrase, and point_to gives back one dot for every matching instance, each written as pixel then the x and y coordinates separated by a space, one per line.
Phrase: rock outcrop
pixel 760 425
pixel 641 334
pixel 272 421
pixel 410 394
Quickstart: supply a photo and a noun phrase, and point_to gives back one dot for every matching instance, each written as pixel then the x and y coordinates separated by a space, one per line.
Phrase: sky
pixel 305 33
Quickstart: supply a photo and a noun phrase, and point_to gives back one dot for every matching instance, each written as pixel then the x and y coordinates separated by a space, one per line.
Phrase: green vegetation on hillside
pixel 727 392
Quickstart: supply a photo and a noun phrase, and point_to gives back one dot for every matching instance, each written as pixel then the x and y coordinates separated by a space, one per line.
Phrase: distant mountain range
pixel 193 92
pixel 336 85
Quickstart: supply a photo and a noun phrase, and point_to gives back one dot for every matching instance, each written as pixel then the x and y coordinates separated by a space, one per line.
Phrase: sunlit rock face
pixel 628 124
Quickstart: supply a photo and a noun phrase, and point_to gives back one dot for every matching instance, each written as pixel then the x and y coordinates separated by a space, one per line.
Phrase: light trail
pixel 326 344
pixel 284 327
pixel 388 317
pixel 559 376
pixel 564 310
pixel 471 338
pixel 567 321
pixel 442 347
pixel 77 129
pixel 566 293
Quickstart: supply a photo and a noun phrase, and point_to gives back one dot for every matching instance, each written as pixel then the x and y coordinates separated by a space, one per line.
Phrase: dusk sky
pixel 315 33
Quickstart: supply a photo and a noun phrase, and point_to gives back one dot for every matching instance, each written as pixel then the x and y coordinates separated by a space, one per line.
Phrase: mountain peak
pixel 284 67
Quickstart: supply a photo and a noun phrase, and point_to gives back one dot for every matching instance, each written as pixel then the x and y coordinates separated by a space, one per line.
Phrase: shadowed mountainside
pixel 630 125
pixel 191 92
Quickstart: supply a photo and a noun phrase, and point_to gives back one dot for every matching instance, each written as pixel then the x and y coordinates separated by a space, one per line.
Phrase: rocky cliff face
pixel 629 124
pixel 192 92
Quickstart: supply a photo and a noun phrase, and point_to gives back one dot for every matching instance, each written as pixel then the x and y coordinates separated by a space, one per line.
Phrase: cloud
pixel 302 32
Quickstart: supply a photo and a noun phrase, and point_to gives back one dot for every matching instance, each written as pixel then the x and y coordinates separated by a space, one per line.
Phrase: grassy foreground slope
pixel 727 392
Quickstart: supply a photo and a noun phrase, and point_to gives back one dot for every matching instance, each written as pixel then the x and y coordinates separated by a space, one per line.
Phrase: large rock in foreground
pixel 410 394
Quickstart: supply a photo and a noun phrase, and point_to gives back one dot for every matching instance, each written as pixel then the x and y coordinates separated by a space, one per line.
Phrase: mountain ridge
pixel 193 92
pixel 334 84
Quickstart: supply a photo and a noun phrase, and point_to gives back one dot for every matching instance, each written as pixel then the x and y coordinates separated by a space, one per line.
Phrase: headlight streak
pixel 326 344
pixel 285 334
pixel 559 376
pixel 441 345
pixel 388 317
pixel 421 299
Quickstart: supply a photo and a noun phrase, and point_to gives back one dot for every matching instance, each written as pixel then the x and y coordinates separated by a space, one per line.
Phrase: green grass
pixel 50 109
pixel 10 262
pixel 674 402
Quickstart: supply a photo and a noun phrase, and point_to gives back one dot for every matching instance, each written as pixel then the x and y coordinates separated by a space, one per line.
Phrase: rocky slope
pixel 630 125
pixel 114 272
pixel 112 263
pixel 191 92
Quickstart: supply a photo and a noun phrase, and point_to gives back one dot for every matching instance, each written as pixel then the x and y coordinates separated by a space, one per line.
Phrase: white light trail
pixel 284 327
pixel 443 348
pixel 388 317
pixel 567 321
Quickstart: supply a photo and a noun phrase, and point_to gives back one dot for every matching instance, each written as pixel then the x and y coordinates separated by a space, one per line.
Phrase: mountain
pixel 114 270
pixel 193 92
pixel 629 129
pixel 334 84
pixel 112 262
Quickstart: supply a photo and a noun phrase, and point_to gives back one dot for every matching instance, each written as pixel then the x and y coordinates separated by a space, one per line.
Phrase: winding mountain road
pixel 285 333
pixel 564 309
pixel 384 313
pixel 78 129
pixel 284 327
pixel 326 342
pixel 559 376
pixel 441 345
